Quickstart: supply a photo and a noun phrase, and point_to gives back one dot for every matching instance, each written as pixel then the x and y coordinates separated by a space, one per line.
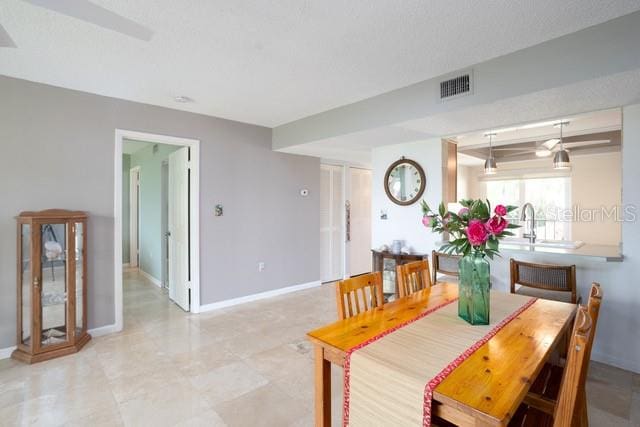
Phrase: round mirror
pixel 404 182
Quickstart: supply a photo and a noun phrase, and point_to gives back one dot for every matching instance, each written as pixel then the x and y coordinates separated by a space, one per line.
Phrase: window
pixel 549 197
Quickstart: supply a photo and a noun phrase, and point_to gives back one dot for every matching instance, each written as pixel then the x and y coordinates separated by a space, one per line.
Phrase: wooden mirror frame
pixel 423 182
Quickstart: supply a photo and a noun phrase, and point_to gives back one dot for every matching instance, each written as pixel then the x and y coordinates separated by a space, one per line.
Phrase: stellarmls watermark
pixel 577 213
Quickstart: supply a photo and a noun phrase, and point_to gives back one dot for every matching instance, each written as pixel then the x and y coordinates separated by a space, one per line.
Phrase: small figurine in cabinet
pixel 52 284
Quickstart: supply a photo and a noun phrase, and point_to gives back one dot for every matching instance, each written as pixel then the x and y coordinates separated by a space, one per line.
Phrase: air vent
pixel 457 86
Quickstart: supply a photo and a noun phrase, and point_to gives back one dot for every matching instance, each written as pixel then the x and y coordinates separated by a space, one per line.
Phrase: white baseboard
pixel 152 279
pixel 626 364
pixel 259 296
pixel 5 353
pixel 103 330
pixel 126 265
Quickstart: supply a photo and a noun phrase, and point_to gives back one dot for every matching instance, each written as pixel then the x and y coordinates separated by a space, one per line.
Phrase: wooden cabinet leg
pixel 323 389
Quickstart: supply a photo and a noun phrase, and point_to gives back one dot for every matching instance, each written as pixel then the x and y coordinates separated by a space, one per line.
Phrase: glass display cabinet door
pixel 26 289
pixel 389 278
pixel 53 285
pixel 80 283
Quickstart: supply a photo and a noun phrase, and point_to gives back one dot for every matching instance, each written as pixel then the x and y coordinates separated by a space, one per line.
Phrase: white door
pixel 359 243
pixel 178 221
pixel 134 216
pixel 331 223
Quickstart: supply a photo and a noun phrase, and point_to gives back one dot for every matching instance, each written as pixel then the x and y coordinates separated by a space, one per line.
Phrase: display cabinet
pixel 52 284
pixel 386 262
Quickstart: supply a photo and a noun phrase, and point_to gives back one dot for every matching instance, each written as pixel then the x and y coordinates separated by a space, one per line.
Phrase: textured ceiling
pixel 273 62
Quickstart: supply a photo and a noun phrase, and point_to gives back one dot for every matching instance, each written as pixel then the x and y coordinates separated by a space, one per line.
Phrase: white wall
pixel 404 222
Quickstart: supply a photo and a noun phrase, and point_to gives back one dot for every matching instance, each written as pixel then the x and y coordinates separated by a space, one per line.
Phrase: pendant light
pixel 561 158
pixel 490 167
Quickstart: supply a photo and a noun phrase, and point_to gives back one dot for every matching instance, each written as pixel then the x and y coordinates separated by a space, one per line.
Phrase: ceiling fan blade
pixel 5 38
pixel 94 14
pixel 549 144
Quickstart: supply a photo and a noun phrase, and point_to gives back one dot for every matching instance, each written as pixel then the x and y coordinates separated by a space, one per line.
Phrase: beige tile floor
pixel 245 366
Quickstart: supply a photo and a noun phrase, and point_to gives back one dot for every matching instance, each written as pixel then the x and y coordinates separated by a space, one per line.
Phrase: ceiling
pixel 270 63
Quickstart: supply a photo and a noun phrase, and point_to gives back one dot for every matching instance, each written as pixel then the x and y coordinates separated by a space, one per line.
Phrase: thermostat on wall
pixel 304 192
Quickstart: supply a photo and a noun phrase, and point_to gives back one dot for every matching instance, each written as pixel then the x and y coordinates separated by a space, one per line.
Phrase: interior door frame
pixel 346 196
pixel 134 212
pixel 194 208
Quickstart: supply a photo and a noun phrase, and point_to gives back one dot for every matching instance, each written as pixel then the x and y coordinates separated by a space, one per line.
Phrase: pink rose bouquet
pixel 475 227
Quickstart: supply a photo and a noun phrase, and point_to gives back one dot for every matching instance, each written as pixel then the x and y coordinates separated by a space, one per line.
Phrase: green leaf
pixel 442 209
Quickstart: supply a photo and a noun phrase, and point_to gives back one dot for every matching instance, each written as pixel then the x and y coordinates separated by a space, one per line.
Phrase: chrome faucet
pixel 531 221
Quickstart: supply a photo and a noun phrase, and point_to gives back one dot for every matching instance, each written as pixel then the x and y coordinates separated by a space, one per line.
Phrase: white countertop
pixel 607 253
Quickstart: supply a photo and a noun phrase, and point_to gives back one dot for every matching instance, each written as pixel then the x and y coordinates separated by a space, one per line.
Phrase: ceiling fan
pixel 88 12
pixel 547 148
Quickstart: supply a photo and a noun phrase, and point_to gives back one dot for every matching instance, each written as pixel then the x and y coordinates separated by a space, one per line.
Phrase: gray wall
pixel 58 151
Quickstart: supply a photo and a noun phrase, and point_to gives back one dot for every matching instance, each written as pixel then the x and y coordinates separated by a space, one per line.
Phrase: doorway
pixel 345 221
pixel 175 257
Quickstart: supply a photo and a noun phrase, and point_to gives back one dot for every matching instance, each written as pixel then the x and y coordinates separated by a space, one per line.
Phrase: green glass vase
pixel 473 292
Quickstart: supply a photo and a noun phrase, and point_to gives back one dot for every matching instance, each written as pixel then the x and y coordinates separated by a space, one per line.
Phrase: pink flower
pixel 477 233
pixel 500 210
pixel 496 225
pixel 463 211
pixel 426 220
pixel 446 219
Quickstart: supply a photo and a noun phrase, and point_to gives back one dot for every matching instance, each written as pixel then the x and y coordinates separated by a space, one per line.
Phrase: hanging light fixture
pixel 561 158
pixel 490 167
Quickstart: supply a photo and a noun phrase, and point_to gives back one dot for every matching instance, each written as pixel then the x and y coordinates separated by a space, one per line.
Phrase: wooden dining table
pixel 485 389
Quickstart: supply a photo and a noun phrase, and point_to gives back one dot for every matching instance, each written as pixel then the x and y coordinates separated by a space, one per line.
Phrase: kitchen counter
pixel 602 253
pixel 606 253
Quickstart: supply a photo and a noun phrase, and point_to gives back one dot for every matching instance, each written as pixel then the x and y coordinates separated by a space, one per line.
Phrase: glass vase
pixel 473 292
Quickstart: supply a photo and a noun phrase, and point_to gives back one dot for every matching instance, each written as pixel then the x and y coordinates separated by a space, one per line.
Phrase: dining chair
pixel 563 411
pixel 412 277
pixel 547 281
pixel 359 294
pixel 542 398
pixel 445 264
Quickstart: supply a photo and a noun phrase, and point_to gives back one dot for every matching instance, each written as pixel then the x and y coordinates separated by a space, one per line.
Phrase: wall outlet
pixel 260 267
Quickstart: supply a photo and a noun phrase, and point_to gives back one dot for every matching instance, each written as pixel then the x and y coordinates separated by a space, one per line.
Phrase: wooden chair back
pixel 557 278
pixel 359 294
pixel 444 264
pixel 413 277
pixel 574 376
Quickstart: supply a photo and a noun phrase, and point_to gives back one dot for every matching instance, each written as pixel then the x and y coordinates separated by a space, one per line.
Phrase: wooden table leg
pixel 323 389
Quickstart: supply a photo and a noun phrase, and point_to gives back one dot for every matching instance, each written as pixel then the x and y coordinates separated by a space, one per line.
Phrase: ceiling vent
pixel 455 87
